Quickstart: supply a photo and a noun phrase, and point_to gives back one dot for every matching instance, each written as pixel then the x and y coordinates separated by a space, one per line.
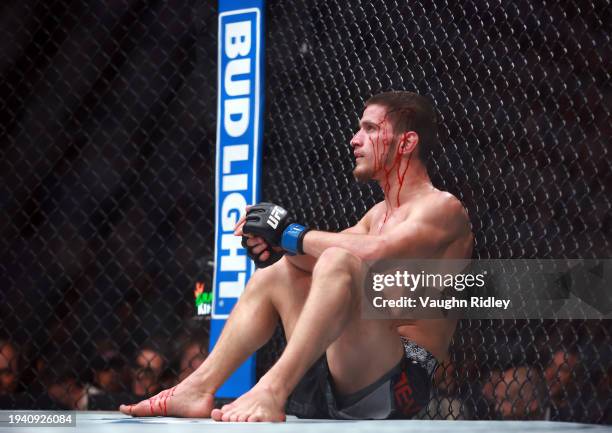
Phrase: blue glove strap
pixel 290 240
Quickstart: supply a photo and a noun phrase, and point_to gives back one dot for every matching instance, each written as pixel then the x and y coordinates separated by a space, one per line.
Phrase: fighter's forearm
pixel 366 247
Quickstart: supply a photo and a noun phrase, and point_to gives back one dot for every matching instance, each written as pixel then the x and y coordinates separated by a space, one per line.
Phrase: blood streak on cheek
pixel 401 176
pixel 373 143
pixel 376 150
pixel 396 159
pixel 380 150
pixel 382 146
pixel 378 146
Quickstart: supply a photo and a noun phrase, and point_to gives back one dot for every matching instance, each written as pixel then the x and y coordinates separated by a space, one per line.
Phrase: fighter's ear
pixel 408 142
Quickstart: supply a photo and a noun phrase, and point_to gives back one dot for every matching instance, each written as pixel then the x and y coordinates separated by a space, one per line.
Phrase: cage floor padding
pixel 92 422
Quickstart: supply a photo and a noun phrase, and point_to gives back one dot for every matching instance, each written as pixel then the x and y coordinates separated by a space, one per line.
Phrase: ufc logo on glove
pixel 275 216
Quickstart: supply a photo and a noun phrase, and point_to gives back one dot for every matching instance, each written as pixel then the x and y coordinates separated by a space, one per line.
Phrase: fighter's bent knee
pixel 271 275
pixel 264 276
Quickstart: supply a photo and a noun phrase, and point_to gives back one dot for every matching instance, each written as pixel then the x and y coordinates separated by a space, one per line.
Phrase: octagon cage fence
pixel 107 132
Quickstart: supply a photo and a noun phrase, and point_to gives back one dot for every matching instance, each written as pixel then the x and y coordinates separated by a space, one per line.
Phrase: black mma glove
pixel 275 256
pixel 272 223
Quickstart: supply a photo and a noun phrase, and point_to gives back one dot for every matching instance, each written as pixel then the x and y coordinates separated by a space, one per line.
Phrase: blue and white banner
pixel 239 132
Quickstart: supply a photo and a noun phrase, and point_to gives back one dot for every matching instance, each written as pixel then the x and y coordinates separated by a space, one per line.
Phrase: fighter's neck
pixel 402 186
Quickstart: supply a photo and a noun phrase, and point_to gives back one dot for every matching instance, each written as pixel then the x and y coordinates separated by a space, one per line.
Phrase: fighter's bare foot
pixel 260 404
pixel 183 400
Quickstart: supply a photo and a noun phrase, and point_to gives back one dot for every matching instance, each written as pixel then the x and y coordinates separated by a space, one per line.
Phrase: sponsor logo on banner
pixel 203 301
pixel 238 134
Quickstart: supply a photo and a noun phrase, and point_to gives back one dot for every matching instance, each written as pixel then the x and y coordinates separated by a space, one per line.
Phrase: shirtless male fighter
pixel 337 364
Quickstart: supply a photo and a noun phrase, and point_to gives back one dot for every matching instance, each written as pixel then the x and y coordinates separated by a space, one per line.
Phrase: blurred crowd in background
pixel 101 380
pixel 566 384
pixel 553 370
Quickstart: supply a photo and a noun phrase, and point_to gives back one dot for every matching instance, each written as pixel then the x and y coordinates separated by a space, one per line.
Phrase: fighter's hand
pixel 257 246
pixel 240 223
pixel 273 223
pixel 260 252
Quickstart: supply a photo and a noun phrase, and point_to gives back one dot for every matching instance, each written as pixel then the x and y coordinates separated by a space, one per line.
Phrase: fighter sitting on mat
pixel 337 364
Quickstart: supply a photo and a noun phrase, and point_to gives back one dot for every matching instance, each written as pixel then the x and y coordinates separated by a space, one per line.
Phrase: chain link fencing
pixel 107 131
pixel 522 92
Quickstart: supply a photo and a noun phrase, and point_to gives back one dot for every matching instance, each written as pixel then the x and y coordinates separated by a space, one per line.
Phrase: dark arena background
pixel 107 138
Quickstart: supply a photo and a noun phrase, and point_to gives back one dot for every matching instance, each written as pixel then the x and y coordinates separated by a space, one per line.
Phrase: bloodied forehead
pixel 374 113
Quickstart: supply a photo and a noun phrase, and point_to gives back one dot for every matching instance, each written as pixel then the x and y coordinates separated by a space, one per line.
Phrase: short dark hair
pixel 409 111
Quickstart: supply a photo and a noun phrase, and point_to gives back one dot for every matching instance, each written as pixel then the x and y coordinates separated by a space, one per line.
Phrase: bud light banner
pixel 238 157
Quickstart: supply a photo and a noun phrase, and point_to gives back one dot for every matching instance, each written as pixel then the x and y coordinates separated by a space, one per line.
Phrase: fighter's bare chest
pixel 383 222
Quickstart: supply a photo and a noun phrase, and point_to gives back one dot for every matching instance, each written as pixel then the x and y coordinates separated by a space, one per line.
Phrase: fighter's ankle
pixel 200 382
pixel 277 388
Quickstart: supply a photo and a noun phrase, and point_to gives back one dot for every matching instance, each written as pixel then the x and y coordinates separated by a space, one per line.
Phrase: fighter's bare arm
pixel 426 233
pixel 307 261
pixel 430 228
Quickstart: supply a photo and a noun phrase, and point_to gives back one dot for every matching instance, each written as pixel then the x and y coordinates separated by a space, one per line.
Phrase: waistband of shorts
pixel 420 355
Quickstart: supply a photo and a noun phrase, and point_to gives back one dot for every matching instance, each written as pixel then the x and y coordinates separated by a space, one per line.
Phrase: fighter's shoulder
pixel 363 225
pixel 443 207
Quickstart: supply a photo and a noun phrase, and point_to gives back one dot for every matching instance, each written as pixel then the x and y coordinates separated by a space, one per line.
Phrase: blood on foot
pixel 161 400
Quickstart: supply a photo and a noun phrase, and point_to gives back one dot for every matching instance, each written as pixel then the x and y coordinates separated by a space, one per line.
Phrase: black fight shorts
pixel 399 394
